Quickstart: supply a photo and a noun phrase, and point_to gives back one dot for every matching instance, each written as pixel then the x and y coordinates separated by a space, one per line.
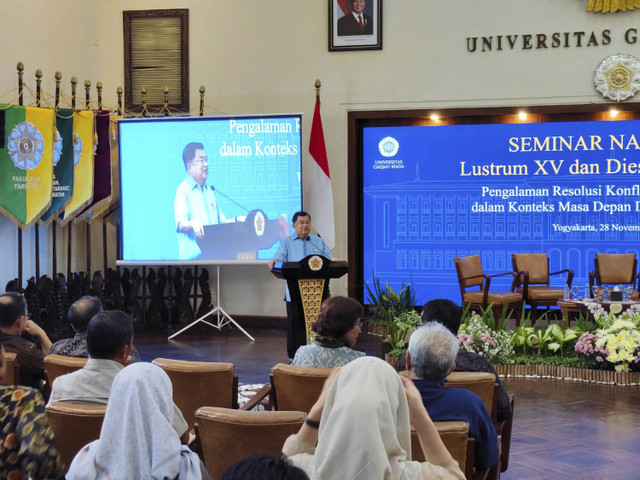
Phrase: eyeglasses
pixel 303 222
pixel 204 159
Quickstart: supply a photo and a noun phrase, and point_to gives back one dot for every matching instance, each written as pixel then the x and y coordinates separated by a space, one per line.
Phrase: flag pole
pixel 318 85
pixel 54 235
pixel 37 232
pixel 87 106
pixel 20 102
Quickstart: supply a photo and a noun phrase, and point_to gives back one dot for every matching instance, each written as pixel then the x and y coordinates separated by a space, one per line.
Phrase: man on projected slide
pixel 293 248
pixel 195 203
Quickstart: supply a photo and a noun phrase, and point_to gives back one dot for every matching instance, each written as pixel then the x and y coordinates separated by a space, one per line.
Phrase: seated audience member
pixel 79 315
pixel 26 443
pixel 264 467
pixel 431 357
pixel 359 429
pixel 450 315
pixel 137 439
pixel 337 328
pixel 109 342
pixel 13 323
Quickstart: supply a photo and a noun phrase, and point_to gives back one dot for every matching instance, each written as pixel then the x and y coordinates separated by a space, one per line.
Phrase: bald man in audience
pixel 80 313
pixel 430 358
pixel 109 342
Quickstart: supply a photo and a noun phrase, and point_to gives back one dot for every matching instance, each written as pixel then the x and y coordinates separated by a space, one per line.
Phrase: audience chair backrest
pixel 12 374
pixel 296 388
pixel 227 436
pixel 74 425
pixel 200 384
pixel 612 268
pixel 57 365
pixel 480 383
pixel 537 264
pixel 454 435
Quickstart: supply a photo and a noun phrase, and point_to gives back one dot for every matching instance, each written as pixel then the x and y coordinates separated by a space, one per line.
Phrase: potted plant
pixel 385 304
pixel 399 328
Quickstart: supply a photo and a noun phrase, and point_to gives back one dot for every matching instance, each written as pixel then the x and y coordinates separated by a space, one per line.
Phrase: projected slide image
pixel 567 189
pixel 207 189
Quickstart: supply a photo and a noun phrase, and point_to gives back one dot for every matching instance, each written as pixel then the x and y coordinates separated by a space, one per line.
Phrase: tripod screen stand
pixel 222 318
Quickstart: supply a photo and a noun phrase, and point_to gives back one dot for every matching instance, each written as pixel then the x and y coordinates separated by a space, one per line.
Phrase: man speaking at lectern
pixel 293 248
pixel 195 204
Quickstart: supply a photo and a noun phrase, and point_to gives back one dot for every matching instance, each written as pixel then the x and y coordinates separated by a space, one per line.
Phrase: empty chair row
pixel 531 281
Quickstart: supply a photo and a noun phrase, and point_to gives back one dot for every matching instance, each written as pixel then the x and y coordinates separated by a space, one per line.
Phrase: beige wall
pixel 264 56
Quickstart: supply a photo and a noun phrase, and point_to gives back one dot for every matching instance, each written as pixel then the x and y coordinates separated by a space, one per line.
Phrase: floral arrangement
pixel 476 336
pixel 615 344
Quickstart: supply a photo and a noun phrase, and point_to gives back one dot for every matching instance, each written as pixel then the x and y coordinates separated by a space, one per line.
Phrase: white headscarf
pixel 364 432
pixel 137 440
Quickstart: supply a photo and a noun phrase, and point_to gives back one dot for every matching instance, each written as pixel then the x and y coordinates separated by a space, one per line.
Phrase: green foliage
pixel 398 330
pixel 395 310
pixel 523 336
pixel 566 361
pixel 386 303
pixel 560 337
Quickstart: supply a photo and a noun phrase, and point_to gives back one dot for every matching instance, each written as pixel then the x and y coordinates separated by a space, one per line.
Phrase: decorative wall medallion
pixel 618 77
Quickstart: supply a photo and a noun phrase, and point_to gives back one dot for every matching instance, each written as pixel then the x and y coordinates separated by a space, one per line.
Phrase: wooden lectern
pixel 241 240
pixel 308 282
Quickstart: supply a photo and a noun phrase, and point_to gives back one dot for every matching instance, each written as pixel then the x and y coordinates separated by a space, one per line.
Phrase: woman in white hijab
pixel 137 440
pixel 361 425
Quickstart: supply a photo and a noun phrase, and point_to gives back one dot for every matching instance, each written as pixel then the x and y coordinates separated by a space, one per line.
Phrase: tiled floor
pixel 562 430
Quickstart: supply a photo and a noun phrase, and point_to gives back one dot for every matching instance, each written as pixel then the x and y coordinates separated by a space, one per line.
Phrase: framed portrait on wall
pixel 355 25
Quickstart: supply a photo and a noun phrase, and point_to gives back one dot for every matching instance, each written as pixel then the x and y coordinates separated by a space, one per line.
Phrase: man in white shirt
pixel 109 342
pixel 195 204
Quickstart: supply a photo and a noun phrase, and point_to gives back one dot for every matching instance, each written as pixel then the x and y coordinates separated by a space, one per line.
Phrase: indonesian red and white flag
pixel 321 197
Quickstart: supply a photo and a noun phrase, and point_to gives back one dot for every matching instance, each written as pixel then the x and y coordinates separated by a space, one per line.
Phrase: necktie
pixel 361 23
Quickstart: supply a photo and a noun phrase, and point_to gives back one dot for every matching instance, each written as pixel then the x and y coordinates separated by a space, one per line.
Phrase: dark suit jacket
pixel 348 25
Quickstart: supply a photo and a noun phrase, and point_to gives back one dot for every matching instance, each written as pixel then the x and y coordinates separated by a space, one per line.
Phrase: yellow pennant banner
pixel 26 162
pixel 83 150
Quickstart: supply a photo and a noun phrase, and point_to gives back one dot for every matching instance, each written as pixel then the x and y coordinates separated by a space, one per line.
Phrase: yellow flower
pixel 615 308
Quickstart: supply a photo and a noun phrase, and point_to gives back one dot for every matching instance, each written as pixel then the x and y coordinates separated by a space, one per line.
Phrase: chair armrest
pixel 521 278
pixel 258 397
pixel 569 273
pixel 502 274
pixel 505 442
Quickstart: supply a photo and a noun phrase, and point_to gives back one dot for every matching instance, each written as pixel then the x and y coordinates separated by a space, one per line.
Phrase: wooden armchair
pixel 532 280
pixel 480 383
pixel 470 274
pixel 57 365
pixel 455 436
pixel 74 425
pixel 227 436
pixel 200 384
pixel 614 269
pixel 296 388
pixel 12 373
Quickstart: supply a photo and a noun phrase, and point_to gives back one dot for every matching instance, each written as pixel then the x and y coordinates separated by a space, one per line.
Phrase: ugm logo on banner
pixel 26 162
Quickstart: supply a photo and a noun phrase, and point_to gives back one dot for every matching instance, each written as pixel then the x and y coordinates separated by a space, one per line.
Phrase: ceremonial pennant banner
pixel 83 150
pixel 102 181
pixel 26 162
pixel 115 175
pixel 62 165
